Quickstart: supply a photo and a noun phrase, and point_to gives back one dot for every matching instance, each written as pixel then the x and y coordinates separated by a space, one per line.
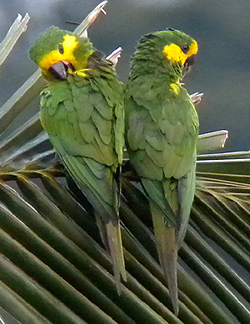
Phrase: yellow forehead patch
pixel 69 44
pixel 174 53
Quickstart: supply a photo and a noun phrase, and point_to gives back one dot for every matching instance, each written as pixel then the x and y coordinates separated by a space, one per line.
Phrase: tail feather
pixel 167 251
pixel 112 240
pixel 116 251
pixel 102 230
pixel 186 191
pixel 103 194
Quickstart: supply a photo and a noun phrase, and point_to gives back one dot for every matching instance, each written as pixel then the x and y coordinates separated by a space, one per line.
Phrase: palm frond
pixel 18 27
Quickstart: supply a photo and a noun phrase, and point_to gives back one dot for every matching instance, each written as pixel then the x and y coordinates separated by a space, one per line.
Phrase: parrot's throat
pixel 188 64
pixel 60 70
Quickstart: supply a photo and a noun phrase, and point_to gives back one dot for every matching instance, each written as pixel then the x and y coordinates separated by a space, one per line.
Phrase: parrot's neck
pixel 164 72
pixel 157 66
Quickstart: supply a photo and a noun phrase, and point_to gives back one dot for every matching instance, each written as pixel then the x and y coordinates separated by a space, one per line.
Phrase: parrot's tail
pixel 116 252
pixel 112 240
pixel 167 251
pixel 96 182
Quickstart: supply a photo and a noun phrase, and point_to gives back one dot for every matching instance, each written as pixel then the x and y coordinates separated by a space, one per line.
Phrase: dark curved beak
pixel 60 70
pixel 188 64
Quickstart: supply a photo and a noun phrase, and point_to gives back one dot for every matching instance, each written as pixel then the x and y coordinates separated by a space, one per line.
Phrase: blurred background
pixel 222 29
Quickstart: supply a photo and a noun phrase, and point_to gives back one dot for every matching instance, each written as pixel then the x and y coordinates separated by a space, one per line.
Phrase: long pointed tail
pixel 167 251
pixel 112 240
pixel 116 251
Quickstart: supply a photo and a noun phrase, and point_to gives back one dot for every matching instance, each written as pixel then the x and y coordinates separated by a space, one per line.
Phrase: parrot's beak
pixel 188 64
pixel 60 70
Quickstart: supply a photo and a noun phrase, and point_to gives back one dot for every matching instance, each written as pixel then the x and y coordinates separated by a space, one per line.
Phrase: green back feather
pixel 161 122
pixel 84 118
pixel 162 131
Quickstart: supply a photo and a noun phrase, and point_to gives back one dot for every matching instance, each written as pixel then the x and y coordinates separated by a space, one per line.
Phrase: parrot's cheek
pixel 60 70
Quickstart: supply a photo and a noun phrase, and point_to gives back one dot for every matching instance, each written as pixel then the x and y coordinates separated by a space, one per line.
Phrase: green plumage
pixel 162 131
pixel 84 118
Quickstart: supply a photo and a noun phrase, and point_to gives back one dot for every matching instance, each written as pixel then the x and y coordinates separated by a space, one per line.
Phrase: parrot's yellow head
pixel 171 51
pixel 57 52
pixel 183 54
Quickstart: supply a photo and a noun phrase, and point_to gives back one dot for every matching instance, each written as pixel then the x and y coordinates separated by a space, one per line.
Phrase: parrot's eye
pixel 184 48
pixel 60 49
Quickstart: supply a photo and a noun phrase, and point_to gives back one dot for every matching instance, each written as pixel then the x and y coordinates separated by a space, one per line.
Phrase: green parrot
pixel 82 110
pixel 161 126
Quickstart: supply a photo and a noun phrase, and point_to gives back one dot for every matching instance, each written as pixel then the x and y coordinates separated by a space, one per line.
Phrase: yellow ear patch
pixel 174 53
pixel 69 44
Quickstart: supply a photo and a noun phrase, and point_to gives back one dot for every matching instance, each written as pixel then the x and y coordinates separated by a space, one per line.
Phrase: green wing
pixel 79 121
pixel 84 120
pixel 162 131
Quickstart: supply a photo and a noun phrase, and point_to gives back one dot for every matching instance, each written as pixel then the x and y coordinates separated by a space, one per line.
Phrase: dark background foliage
pixel 222 69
